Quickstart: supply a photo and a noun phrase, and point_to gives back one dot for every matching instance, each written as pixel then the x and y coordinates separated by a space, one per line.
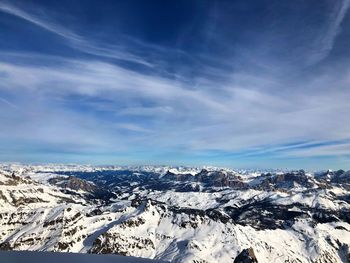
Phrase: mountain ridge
pixel 211 215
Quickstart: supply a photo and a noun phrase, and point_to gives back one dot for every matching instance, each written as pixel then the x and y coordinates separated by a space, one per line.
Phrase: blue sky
pixel 246 84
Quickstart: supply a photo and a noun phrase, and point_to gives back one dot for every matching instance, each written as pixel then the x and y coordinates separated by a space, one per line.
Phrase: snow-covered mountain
pixel 177 214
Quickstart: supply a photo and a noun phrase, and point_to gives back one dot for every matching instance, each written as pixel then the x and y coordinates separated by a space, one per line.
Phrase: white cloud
pixel 325 42
pixel 60 103
pixel 339 149
pixel 238 119
pixel 74 40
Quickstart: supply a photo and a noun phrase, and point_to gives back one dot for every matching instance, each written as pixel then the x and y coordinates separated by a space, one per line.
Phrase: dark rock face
pixel 13 179
pixel 220 179
pixel 341 177
pixel 208 178
pixel 5 246
pixel 109 243
pixel 178 177
pixel 284 181
pixel 264 214
pixel 246 256
pixel 75 183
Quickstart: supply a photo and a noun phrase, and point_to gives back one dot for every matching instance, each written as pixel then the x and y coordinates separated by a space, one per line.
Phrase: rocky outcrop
pixel 77 184
pixel 246 256
pixel 209 178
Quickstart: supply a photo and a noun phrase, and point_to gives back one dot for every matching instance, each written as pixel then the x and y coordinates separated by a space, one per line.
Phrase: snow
pixel 160 228
pixel 198 200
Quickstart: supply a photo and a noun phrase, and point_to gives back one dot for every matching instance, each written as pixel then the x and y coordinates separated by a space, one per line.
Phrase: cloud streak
pixel 206 120
pixel 74 40
pixel 91 105
pixel 324 44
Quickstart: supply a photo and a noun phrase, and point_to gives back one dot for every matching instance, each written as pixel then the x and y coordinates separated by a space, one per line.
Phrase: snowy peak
pixel 210 215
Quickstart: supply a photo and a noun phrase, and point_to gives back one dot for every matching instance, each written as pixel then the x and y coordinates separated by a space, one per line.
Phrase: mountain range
pixel 177 214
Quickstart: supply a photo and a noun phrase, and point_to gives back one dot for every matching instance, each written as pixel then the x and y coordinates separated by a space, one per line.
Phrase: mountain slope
pixel 186 217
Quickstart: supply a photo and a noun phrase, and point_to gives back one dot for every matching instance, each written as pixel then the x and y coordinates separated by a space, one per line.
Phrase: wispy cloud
pixel 327 150
pixel 52 27
pixel 237 119
pixel 92 105
pixel 6 102
pixel 73 39
pixel 325 42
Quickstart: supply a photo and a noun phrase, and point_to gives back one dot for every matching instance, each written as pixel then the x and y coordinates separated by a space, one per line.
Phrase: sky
pixel 243 84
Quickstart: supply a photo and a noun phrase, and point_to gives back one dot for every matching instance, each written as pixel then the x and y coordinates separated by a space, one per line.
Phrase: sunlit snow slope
pixel 177 214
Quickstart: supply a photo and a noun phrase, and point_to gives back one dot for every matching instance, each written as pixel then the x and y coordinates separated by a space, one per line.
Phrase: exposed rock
pixel 78 184
pixel 246 256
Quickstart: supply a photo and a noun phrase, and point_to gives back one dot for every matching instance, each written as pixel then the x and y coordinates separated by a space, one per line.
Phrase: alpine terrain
pixel 177 214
